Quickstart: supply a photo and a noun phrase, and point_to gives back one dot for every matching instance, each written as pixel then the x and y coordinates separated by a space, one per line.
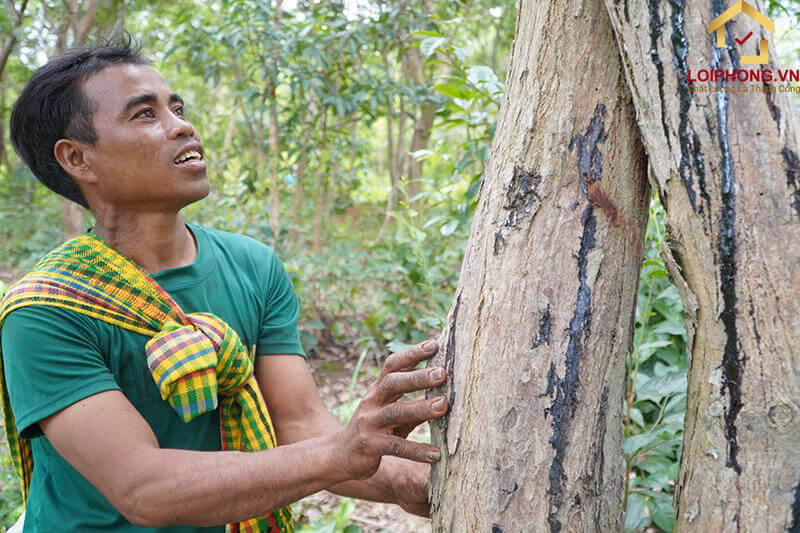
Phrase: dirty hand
pixel 381 421
pixel 411 488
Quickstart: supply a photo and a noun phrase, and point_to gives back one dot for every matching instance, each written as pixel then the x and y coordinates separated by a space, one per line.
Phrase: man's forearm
pixel 174 487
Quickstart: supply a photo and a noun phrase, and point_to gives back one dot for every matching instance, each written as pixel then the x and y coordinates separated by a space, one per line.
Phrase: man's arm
pixel 298 414
pixel 109 443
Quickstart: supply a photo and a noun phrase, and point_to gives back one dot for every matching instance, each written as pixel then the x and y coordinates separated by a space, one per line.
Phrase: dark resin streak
pixel 655 33
pixel 792 174
pixel 566 388
pixel 590 170
pixel 680 48
pixel 795 525
pixel 543 335
pixel 521 196
pixel 590 158
pixel 732 362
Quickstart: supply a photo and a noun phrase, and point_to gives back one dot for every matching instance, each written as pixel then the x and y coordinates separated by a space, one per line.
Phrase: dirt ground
pixel 333 379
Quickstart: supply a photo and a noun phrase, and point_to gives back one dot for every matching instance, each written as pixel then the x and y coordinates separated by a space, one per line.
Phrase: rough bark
pixel 543 313
pixel 727 170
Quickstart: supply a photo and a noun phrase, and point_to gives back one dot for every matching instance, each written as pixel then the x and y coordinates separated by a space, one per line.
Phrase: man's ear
pixel 70 155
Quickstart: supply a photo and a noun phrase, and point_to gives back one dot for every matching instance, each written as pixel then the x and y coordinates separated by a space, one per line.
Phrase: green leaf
pixel 429 45
pixel 635 516
pixel 660 505
pixel 453 89
pixel 637 442
pixel 659 387
pixel 636 416
pixel 450 227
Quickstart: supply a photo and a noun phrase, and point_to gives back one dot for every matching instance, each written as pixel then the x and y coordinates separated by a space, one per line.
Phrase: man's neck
pixel 153 241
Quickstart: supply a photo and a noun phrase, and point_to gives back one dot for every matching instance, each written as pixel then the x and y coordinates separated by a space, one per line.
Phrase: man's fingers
pixel 413 413
pixel 392 386
pixel 421 453
pixel 408 359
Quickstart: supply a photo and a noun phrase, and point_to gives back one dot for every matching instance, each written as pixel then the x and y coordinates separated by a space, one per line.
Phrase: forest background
pixel 352 138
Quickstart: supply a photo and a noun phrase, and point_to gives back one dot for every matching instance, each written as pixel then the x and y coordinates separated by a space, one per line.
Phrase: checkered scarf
pixel 197 360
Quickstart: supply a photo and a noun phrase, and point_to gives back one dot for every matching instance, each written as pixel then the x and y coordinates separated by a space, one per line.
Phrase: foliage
pixel 338 522
pixel 656 390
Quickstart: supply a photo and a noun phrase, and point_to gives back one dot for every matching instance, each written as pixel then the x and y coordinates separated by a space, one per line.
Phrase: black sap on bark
pixel 732 362
pixel 680 49
pixel 590 158
pixel 794 527
pixel 521 197
pixel 566 389
pixel 655 33
pixel 792 174
pixel 543 335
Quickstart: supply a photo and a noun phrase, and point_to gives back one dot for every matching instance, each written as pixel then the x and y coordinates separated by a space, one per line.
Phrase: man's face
pixel 139 160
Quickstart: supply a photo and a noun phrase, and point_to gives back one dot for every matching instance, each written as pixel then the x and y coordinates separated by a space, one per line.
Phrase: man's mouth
pixel 189 156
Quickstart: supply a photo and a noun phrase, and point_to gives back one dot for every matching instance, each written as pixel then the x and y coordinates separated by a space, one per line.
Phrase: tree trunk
pixel 82 17
pixel 274 139
pixel 728 173
pixel 5 52
pixel 274 169
pixel 543 314
pixel 298 193
pixel 422 124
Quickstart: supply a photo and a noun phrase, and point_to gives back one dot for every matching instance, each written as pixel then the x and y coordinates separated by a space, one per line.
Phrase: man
pixel 102 128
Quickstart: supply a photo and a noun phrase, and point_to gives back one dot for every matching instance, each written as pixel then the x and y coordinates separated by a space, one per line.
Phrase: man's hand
pixel 381 421
pixel 411 489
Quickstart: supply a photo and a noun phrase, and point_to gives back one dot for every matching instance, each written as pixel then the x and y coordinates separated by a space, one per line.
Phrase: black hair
pixel 53 106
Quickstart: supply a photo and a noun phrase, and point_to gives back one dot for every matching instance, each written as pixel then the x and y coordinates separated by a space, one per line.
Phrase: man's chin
pixel 200 190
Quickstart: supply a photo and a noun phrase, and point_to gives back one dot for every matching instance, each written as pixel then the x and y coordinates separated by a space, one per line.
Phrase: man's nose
pixel 180 127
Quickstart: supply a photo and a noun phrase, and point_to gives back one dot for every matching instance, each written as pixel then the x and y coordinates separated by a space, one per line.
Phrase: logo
pixel 718 25
pixel 743 80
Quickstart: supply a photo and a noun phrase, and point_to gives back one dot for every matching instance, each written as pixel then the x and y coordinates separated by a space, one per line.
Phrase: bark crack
pixel 449 362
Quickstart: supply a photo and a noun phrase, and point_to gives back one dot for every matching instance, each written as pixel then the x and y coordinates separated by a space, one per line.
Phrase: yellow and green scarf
pixel 195 359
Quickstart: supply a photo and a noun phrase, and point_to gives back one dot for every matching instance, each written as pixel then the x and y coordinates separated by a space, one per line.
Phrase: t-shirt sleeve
pixel 51 360
pixel 279 333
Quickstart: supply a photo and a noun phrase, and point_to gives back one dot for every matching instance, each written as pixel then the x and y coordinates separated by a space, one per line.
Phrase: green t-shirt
pixel 54 357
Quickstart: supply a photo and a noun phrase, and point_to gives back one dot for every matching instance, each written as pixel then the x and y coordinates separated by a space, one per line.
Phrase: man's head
pixel 99 126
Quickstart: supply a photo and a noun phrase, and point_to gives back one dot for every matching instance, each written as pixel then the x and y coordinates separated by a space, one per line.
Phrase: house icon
pixel 718 25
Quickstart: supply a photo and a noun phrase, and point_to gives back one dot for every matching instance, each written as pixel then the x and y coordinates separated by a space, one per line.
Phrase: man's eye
pixel 180 111
pixel 145 113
